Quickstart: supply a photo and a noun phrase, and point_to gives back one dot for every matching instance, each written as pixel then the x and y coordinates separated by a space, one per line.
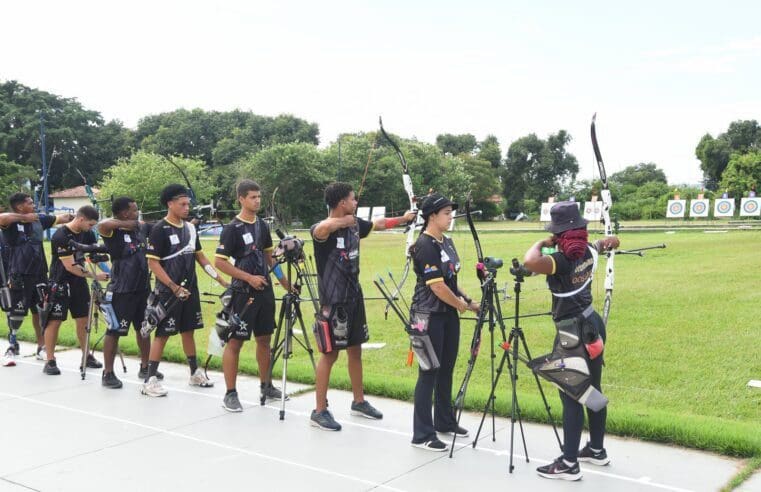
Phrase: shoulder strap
pixel 190 247
pixel 595 256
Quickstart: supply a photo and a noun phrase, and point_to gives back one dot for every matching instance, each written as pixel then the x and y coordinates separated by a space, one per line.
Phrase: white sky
pixel 659 74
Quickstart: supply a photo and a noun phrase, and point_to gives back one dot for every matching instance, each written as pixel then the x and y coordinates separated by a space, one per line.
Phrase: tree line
pixel 215 148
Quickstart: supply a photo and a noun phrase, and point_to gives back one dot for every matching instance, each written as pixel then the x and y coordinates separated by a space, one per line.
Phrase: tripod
pixel 97 294
pixel 490 311
pixel 511 356
pixel 290 316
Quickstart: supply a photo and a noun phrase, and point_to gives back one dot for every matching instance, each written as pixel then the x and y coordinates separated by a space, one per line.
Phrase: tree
pixel 297 169
pixel 536 168
pixel 143 175
pixel 741 137
pixel 743 171
pixel 489 150
pixel 639 174
pixel 456 144
pixel 14 178
pixel 76 137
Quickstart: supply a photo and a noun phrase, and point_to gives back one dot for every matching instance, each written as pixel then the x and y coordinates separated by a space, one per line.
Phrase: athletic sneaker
pixel 324 420
pixel 559 470
pixel 153 388
pixel 270 392
pixel 458 431
pixel 51 368
pixel 199 379
pixel 9 358
pixel 109 380
pixel 143 374
pixel 93 363
pixel 231 403
pixel 14 350
pixel 41 354
pixel 433 445
pixel 586 454
pixel 364 409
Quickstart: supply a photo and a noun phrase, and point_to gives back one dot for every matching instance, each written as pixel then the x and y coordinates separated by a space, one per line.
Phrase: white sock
pixel 595 451
pixel 568 463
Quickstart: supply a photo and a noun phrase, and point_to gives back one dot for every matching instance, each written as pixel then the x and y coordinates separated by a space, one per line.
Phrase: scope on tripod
pixel 492 264
pixel 290 247
pixel 519 271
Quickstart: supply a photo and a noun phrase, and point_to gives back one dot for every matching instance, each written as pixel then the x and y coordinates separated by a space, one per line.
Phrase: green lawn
pixel 683 339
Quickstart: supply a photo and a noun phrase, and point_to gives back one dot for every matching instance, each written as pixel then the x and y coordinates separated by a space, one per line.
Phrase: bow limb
pixel 191 192
pixel 607 203
pixel 410 228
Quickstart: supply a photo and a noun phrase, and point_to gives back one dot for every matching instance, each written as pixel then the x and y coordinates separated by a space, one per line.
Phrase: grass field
pixel 683 336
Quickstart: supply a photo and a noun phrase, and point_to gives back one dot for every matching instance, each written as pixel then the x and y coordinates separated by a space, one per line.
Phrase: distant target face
pixel 698 208
pixel 676 208
pixel 750 206
pixel 724 207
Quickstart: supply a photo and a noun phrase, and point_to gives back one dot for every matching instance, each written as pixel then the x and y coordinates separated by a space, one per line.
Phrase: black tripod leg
pixel 277 345
pixel 550 420
pixel 305 344
pixel 490 400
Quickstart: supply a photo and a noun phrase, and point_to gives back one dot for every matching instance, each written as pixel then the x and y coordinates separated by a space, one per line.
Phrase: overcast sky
pixel 659 74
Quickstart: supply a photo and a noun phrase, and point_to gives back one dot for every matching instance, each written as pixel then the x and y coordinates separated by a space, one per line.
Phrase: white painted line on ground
pixel 754 383
pixel 202 441
pixel 496 452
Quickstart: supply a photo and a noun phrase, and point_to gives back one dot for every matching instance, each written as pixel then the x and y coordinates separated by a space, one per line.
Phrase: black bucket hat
pixel 435 202
pixel 565 216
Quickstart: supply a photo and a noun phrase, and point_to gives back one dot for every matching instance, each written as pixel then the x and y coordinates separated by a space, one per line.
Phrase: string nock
pixel 410 357
pixel 505 346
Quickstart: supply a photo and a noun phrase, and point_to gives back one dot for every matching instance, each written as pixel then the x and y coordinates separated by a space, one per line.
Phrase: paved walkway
pixel 65 434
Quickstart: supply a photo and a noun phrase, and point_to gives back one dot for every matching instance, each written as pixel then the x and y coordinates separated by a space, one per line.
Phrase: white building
pixel 69 200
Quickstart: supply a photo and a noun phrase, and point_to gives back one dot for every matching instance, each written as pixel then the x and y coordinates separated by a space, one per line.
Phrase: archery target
pixel 750 207
pixel 699 208
pixel 675 209
pixel 593 211
pixel 363 213
pixel 724 207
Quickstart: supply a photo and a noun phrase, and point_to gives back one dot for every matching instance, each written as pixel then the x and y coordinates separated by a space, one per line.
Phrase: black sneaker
pixel 457 431
pixel 560 471
pixel 109 380
pixel 364 409
pixel 143 374
pixel 93 363
pixel 324 420
pixel 587 455
pixel 270 392
pixel 433 445
pixel 51 368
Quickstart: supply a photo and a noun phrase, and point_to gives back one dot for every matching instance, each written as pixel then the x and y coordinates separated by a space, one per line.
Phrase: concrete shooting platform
pixel 61 433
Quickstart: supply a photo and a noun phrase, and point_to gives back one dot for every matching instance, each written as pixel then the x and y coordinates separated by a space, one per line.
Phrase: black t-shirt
pixel 59 244
pixel 174 245
pixel 129 271
pixel 434 261
pixel 571 283
pixel 5 254
pixel 27 256
pixel 246 243
pixel 337 259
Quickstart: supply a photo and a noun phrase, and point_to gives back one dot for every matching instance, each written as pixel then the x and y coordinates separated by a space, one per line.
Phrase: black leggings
pixel 573 411
pixel 444 330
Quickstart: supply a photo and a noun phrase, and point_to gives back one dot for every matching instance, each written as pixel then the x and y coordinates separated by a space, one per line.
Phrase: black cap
pixel 565 216
pixel 435 202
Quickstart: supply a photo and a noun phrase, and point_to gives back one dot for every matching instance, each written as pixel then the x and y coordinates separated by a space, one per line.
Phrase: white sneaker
pixel 153 388
pixel 41 354
pixel 9 358
pixel 199 379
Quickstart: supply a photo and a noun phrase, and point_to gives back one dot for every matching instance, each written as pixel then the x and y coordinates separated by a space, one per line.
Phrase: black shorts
pixel 25 296
pixel 356 324
pixel 181 316
pixel 258 318
pixel 68 297
pixel 129 308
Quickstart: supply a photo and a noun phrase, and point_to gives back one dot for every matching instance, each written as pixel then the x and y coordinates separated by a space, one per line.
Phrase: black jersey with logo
pixel 59 244
pixel 337 259
pixel 129 270
pixel 246 242
pixel 571 283
pixel 434 261
pixel 174 246
pixel 24 240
